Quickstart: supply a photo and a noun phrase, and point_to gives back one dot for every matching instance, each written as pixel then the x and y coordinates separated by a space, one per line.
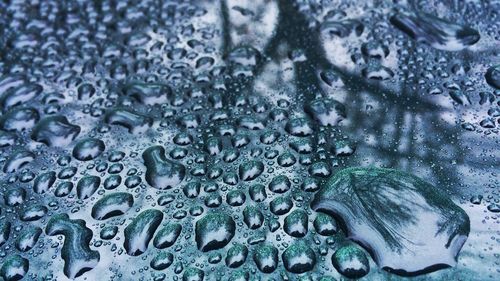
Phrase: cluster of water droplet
pixel 134 148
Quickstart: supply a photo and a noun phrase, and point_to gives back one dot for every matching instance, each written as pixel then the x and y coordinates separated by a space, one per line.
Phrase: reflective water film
pixel 312 140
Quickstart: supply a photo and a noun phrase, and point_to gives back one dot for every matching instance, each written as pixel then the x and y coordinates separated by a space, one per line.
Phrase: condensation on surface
pixel 186 140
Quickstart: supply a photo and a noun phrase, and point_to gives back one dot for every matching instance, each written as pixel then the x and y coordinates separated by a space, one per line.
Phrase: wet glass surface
pixel 249 140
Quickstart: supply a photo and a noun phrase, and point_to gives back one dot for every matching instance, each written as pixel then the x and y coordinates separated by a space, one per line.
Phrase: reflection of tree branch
pixel 293 30
pixel 355 83
pixel 226 28
pixel 293 27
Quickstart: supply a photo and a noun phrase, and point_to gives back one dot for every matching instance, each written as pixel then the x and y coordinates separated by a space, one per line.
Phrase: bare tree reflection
pixel 407 130
pixel 412 115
